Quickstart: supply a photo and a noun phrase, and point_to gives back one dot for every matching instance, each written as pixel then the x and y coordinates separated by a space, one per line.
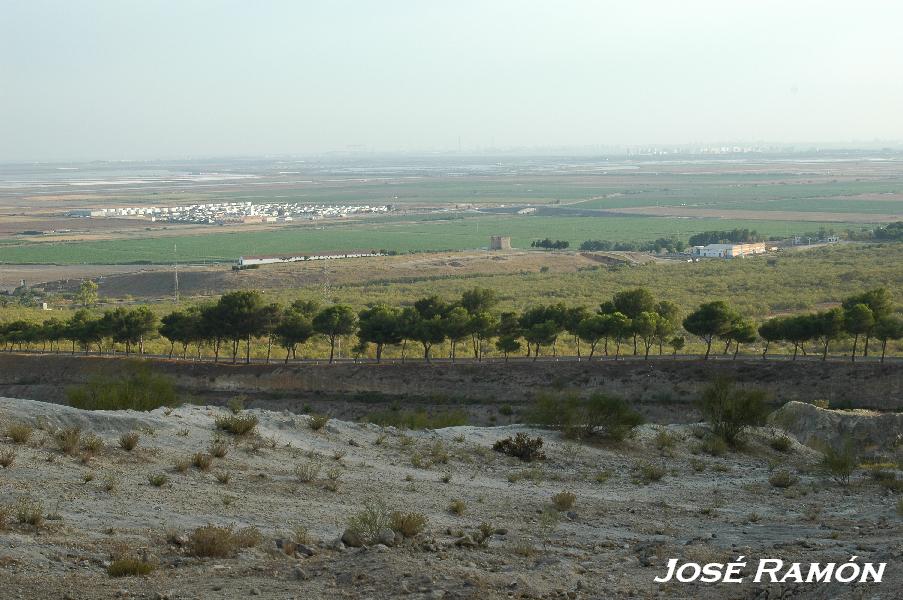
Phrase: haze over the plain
pixel 125 80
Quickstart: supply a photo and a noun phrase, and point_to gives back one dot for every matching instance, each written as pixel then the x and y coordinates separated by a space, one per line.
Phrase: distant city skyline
pixel 167 79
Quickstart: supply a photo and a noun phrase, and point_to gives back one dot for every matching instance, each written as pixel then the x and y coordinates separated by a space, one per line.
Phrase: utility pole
pixel 175 273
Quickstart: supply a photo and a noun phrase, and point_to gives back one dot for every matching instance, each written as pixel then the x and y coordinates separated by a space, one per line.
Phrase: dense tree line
pixel 666 244
pixel 633 319
pixel 735 236
pixel 548 244
pixel 866 316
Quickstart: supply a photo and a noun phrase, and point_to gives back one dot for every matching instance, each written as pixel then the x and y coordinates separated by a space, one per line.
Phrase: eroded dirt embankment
pixel 663 389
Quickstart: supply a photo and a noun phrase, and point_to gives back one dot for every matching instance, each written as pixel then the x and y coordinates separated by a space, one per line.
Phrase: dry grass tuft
pixel 91 444
pixel 19 433
pixel 129 441
pixel 67 440
pixel 215 541
pixel 317 421
pixel 7 457
pixel 130 567
pixel 782 479
pixel 29 512
pixel 307 472
pixel 457 507
pixel 563 501
pixel 157 479
pixel 407 524
pixel 237 424
pixel 202 461
pixel 219 447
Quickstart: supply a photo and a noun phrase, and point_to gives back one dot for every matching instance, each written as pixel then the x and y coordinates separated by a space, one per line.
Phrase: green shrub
pixel 157 479
pixel 840 463
pixel 237 424
pixel 599 415
pixel 731 410
pixel 781 443
pixel 370 521
pixel 713 445
pixel 140 389
pixel 236 404
pixel 886 479
pixel 521 446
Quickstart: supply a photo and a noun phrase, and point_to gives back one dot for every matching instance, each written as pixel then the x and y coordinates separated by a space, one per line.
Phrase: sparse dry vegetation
pixel 316 422
pixel 7 457
pixel 782 479
pixel 521 446
pixel 68 440
pixel 239 425
pixel 563 501
pixel 129 441
pixel 19 433
pixel 201 461
pixel 214 541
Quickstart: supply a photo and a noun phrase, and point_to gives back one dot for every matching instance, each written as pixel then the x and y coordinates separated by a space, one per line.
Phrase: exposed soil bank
pixel 663 389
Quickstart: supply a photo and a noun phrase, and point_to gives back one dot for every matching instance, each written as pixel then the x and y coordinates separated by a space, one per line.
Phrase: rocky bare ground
pixel 618 535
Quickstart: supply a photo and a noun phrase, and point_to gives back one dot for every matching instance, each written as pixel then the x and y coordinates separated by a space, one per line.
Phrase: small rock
pixel 337 545
pixel 301 574
pixel 255 592
pixel 352 539
pixel 386 537
pixel 465 542
pixel 305 550
pixel 381 548
pixel 572 516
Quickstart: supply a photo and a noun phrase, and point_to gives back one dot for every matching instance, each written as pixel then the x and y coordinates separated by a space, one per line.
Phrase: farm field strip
pixel 455 234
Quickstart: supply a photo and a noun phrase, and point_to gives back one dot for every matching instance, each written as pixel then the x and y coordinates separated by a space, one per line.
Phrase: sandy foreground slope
pixel 611 544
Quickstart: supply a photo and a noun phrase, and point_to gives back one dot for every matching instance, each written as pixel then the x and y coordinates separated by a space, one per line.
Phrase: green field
pixel 453 234
pixel 787 282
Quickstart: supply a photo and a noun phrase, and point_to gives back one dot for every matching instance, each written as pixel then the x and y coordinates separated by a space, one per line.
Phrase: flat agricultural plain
pixel 439 204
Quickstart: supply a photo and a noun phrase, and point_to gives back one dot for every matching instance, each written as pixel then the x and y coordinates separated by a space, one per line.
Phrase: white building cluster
pixel 234 212
pixel 249 261
pixel 729 250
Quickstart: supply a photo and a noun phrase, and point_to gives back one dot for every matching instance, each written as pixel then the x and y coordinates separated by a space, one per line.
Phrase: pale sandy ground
pixel 617 538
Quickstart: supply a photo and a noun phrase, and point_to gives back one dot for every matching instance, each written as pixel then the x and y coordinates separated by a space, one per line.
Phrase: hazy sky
pixel 156 79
